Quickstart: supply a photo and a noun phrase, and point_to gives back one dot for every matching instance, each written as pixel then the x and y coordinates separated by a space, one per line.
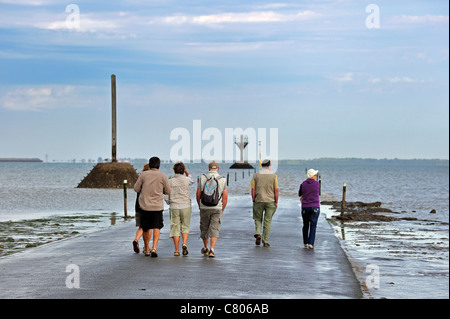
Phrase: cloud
pixel 239 17
pixel 403 79
pixel 346 77
pixel 40 98
pixel 29 2
pixel 117 24
pixel 27 99
pixel 424 19
pixel 274 6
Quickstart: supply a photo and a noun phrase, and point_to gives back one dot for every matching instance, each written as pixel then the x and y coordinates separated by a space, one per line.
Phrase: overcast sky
pixel 335 78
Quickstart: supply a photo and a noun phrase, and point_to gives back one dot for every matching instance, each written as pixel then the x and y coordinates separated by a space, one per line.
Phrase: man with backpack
pixel 212 197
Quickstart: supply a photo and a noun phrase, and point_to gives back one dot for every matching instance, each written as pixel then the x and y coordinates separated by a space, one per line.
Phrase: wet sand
pixel 17 236
pixel 408 255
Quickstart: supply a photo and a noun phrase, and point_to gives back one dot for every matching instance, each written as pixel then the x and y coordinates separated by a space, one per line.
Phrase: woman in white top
pixel 180 206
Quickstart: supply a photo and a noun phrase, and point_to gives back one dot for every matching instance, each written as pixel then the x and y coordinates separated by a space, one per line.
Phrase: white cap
pixel 311 172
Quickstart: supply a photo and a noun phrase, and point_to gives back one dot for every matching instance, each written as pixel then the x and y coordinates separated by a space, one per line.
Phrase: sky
pixel 344 78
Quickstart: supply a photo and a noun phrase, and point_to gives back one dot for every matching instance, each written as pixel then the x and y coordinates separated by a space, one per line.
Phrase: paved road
pixel 108 268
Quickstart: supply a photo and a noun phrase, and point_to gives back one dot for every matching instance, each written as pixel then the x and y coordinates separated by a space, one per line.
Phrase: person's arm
pixel 276 197
pixel 166 190
pixel 224 199
pixel 300 193
pixel 199 191
pixel 167 199
pixel 198 196
pixel 253 192
pixel 138 185
pixel 191 180
pixel 275 187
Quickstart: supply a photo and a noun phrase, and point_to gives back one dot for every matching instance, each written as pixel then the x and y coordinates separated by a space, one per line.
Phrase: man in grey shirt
pixel 211 216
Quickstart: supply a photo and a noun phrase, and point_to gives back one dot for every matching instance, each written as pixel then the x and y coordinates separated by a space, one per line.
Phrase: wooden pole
pixel 125 198
pixel 344 190
pixel 320 185
pixel 114 131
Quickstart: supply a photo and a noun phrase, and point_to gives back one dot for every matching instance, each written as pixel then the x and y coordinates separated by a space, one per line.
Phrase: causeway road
pixel 102 265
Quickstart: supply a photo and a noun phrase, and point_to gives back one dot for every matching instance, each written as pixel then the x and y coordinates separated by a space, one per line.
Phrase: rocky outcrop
pixel 110 175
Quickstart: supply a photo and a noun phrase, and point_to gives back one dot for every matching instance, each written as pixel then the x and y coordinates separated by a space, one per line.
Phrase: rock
pixel 433 211
pixel 359 211
pixel 110 175
pixel 244 165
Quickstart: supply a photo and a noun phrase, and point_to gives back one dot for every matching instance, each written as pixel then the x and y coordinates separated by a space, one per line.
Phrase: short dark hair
pixel 179 168
pixel 154 162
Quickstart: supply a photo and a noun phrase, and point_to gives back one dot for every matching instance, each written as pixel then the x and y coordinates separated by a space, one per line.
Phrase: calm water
pixel 412 188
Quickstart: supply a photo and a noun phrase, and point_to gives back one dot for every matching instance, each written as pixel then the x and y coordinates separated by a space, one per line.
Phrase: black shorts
pixel 151 219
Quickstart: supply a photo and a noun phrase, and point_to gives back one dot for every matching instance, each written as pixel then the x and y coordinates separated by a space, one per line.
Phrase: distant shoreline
pixel 35 160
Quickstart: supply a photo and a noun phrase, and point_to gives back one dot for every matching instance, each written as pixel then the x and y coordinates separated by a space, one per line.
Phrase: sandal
pixel 205 251
pixel 154 253
pixel 147 252
pixel 176 253
pixel 185 250
pixel 258 239
pixel 135 246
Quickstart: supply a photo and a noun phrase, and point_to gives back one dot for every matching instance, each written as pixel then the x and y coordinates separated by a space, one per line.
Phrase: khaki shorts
pixel 210 220
pixel 180 221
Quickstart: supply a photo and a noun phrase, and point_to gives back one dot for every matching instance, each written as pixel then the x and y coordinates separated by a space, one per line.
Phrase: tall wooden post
pixel 344 190
pixel 114 129
pixel 125 198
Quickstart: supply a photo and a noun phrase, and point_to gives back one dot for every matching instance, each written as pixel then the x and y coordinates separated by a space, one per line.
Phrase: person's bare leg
pixel 185 238
pixel 213 242
pixel 139 234
pixel 205 243
pixel 176 242
pixel 146 236
pixel 156 233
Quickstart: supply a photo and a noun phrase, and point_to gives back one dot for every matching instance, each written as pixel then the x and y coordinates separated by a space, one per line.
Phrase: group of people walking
pixel 153 188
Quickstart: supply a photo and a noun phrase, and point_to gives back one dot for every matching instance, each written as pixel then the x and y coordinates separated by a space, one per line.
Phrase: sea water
pixel 408 258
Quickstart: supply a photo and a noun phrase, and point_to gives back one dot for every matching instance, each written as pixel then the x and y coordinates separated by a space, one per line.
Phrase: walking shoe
pixel 258 239
pixel 135 246
pixel 211 254
pixel 310 246
pixel 185 250
pixel 266 245
pixel 205 251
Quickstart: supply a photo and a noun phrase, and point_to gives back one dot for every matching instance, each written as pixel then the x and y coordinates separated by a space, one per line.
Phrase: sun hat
pixel 265 163
pixel 213 165
pixel 311 172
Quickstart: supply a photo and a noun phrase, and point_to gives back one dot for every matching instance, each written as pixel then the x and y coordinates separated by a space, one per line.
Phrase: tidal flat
pixel 16 236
